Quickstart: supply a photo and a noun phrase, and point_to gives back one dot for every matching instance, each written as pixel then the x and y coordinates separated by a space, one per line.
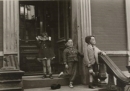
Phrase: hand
pixel 40 37
pixel 91 71
pixel 103 53
pixel 66 66
pixel 89 65
pixel 53 58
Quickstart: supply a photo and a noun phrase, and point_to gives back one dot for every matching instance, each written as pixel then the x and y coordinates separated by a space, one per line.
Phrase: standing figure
pixel 70 58
pixel 93 63
pixel 46 54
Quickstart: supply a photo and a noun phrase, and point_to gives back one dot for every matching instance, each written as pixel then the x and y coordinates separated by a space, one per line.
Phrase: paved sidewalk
pixel 65 88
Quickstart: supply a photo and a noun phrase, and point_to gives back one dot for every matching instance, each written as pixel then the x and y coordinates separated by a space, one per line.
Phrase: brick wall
pixel 1 31
pixel 109 28
pixel 108 24
pixel 120 61
pixel 1 25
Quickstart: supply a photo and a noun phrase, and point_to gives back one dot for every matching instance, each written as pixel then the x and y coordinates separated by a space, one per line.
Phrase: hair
pixel 88 38
pixel 67 41
pixel 44 33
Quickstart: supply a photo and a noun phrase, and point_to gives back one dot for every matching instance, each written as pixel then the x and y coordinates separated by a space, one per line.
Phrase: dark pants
pixel 95 67
pixel 96 71
pixel 72 70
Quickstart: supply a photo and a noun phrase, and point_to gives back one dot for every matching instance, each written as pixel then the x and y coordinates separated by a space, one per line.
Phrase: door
pixel 64 29
pixel 39 16
pixel 29 29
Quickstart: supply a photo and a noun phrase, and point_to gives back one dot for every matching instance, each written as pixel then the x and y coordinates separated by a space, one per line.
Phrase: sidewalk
pixel 66 88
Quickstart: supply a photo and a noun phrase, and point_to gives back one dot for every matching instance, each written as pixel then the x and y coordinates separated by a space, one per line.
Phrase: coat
pixel 70 54
pixel 92 53
pixel 45 49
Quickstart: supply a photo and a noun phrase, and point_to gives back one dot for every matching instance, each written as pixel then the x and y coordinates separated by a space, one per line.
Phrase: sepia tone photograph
pixel 64 45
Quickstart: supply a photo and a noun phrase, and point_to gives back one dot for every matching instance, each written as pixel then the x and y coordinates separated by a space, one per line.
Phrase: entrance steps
pixel 39 82
pixel 66 88
pixel 36 83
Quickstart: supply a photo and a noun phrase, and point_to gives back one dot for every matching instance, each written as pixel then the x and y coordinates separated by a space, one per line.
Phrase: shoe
pixel 71 85
pixel 44 76
pixel 61 73
pixel 90 86
pixel 50 76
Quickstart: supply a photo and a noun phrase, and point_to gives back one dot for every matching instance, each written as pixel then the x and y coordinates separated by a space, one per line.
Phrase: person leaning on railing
pixel 93 63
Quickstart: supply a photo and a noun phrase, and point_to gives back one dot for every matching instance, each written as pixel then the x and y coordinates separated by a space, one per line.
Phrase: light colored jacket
pixel 92 53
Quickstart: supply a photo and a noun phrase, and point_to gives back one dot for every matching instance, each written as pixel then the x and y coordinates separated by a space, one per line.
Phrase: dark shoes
pixel 91 86
pixel 50 76
pixel 44 76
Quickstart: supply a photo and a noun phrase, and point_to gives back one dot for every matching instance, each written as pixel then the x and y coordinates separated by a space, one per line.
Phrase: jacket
pixel 70 54
pixel 92 53
pixel 45 49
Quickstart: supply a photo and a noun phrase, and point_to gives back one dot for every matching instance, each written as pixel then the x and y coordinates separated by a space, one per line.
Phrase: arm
pixel 65 58
pixel 90 56
pixel 38 42
pixel 100 52
pixel 80 54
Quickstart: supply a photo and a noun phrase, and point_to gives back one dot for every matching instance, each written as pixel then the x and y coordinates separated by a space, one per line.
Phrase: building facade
pixel 107 20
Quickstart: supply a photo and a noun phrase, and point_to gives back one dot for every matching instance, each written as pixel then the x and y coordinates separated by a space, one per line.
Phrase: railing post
pixel 111 84
pixel 102 74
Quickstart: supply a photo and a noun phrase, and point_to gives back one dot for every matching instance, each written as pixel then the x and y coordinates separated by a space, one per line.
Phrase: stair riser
pixel 13 90
pixel 10 84
pixel 43 83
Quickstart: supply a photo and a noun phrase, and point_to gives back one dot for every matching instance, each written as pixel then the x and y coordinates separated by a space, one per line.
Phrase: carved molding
pixel 127 7
pixel 1 53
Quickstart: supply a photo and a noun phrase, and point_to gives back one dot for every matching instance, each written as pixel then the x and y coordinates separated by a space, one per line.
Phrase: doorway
pixel 54 17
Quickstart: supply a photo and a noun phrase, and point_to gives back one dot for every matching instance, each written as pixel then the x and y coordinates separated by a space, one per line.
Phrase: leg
pixel 73 72
pixel 49 67
pixel 44 67
pixel 95 77
pixel 91 75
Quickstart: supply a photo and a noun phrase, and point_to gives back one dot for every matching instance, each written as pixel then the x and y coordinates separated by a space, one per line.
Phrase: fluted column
pixel 81 27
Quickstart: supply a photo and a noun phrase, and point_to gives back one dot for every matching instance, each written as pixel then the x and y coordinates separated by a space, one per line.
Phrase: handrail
pixel 114 68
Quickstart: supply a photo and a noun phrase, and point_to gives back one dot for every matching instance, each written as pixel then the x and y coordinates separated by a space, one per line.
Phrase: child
pixel 93 63
pixel 46 53
pixel 70 57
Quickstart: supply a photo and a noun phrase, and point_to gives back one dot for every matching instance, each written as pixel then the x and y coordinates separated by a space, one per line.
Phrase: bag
pixel 55 86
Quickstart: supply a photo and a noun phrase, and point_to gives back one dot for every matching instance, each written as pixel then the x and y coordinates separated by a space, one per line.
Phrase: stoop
pixel 39 82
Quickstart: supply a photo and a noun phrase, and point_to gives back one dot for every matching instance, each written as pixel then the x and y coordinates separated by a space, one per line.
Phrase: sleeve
pixel 65 56
pixel 80 54
pixel 98 50
pixel 49 43
pixel 38 42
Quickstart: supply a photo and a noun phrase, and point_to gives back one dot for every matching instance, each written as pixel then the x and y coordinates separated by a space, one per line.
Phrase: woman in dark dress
pixel 46 53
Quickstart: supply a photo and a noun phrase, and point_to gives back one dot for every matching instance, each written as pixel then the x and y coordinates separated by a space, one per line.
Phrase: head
pixel 90 40
pixel 44 36
pixel 69 43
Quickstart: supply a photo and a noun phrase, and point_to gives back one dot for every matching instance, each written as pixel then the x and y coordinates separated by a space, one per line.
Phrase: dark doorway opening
pixel 54 17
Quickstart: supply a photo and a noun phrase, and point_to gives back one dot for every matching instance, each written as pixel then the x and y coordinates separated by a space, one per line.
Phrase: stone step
pixel 11 89
pixel 66 88
pixel 39 82
pixel 11 80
